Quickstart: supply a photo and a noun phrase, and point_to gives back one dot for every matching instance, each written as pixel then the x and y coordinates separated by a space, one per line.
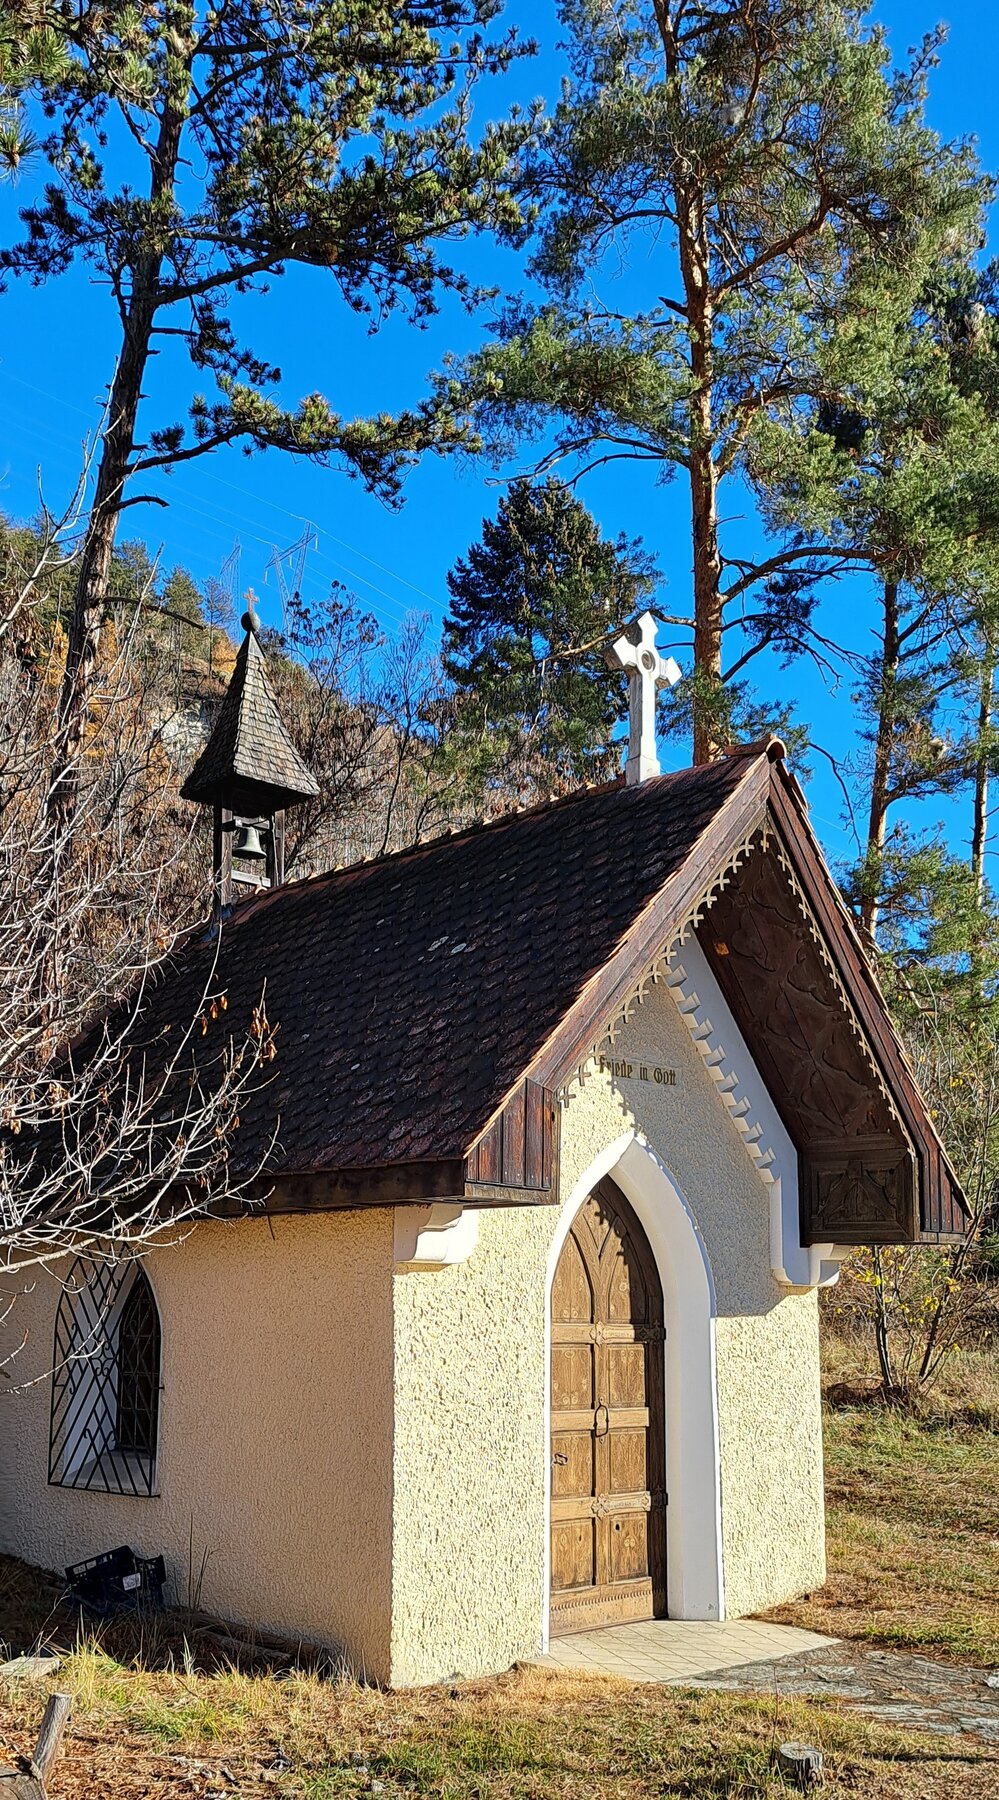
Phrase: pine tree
pixel 532 606
pixel 739 162
pixel 194 154
pixel 898 462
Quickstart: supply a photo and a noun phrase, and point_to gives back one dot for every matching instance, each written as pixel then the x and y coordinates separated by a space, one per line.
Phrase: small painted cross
pixel 636 652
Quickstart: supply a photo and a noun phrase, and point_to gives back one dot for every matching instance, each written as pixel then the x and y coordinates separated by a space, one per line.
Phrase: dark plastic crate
pixel 118 1581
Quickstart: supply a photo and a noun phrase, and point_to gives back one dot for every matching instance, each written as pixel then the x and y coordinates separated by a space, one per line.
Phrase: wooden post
pixel 801 1763
pixel 275 849
pixel 222 854
pixel 50 1736
pixel 16 1785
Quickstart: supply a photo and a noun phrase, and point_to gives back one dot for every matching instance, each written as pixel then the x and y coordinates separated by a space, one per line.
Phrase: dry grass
pixel 521 1736
pixel 914 1562
pixel 912 1516
pixel 964 1392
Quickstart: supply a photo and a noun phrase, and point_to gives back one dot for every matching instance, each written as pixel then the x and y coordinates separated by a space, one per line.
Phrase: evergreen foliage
pixel 745 161
pixel 898 461
pixel 533 604
pixel 192 156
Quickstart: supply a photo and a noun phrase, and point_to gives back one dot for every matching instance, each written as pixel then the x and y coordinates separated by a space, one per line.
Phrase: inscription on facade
pixel 637 1071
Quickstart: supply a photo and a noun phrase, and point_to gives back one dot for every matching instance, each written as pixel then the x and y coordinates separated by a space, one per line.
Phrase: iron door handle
pixel 601 1432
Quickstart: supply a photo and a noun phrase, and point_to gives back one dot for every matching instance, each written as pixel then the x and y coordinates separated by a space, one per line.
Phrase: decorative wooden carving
pixel 772 975
pixel 608 1557
pixel 847 1195
pixel 858 1181
pixel 942 1210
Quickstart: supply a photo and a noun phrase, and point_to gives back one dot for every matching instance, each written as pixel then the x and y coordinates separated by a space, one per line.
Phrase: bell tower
pixel 249 773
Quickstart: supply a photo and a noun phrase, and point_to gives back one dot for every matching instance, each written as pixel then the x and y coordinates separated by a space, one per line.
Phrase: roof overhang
pixel 872 1166
pixel 383 1184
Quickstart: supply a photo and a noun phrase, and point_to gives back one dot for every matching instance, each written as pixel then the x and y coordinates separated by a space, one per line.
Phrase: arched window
pixel 106 1381
pixel 138 1370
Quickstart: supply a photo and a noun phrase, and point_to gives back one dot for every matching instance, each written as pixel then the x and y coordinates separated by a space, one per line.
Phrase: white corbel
pixel 436 1236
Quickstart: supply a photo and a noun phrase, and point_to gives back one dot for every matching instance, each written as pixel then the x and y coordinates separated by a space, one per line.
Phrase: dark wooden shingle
pixel 249 743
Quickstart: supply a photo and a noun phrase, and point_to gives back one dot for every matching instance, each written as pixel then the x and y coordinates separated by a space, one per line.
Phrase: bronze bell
pixel 248 844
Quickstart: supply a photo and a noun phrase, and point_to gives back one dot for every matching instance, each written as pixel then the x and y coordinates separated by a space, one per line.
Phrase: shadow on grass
pixel 38 1615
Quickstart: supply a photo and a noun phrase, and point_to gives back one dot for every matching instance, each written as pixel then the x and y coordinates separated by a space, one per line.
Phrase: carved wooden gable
pixel 858 1171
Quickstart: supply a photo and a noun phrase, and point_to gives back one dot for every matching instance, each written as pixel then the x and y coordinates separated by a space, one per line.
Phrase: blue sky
pixel 57 346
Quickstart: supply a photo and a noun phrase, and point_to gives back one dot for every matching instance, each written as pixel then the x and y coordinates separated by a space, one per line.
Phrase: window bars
pixel 106 1381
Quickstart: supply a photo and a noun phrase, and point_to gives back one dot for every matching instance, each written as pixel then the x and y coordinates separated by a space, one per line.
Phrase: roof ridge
pixel 451 835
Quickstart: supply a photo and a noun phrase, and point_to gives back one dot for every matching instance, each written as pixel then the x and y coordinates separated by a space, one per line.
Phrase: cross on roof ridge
pixel 635 651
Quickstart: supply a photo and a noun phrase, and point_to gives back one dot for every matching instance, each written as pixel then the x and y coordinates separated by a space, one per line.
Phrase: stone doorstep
pixel 672 1650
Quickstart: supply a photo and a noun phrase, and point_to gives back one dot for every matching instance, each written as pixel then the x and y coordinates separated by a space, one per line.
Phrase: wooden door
pixel 608 1520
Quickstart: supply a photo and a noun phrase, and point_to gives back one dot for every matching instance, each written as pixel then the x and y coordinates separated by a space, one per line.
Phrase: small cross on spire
pixel 636 651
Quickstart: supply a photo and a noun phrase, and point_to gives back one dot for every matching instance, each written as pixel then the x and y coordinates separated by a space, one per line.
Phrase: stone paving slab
pixel 752 1656
pixel 903 1690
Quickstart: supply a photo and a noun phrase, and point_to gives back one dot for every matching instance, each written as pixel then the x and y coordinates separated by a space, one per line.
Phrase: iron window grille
pixel 106 1381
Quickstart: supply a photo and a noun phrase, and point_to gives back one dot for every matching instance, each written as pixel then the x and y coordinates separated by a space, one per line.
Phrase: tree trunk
pixel 118 442
pixel 695 271
pixel 707 581
pixel 882 1326
pixel 703 483
pixel 95 568
pixel 884 743
pixel 981 804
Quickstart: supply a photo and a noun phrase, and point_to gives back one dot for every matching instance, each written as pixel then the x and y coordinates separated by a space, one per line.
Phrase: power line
pixel 275 506
pixel 215 515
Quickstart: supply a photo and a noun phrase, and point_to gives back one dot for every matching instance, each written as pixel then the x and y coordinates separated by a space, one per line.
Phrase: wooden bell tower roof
pixel 249 747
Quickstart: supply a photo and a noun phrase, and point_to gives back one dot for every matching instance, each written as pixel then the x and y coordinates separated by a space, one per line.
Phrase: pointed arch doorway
pixel 608 1453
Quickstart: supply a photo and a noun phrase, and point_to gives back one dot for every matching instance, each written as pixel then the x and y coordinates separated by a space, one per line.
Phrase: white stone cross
pixel 636 651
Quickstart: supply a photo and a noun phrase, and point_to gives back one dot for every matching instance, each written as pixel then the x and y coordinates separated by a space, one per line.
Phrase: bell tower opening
pixel 249 773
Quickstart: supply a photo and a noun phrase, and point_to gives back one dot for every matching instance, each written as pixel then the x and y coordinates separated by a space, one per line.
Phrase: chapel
pixel 509 1325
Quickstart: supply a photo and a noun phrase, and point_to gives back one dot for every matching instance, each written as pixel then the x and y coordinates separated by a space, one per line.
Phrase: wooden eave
pixel 513 1160
pixel 383 1184
pixel 943 1210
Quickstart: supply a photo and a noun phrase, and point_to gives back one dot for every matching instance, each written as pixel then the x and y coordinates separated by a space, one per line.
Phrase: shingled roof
pixel 410 993
pixel 414 995
pixel 249 743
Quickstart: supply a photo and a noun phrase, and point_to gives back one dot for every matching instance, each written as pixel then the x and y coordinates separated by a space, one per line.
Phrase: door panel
pixel 629 1550
pixel 572 1376
pixel 608 1550
pixel 572 1554
pixel 574 1474
pixel 626 1374
pixel 628 1462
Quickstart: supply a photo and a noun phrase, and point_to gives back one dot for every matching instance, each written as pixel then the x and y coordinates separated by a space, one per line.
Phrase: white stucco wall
pixel 364 1447
pixel 769 1403
pixel 275 1430
pixel 471 1454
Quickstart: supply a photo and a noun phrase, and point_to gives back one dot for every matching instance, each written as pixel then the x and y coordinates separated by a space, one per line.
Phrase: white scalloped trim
pixel 720 1067
pixel 742 1090
pixel 658 969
